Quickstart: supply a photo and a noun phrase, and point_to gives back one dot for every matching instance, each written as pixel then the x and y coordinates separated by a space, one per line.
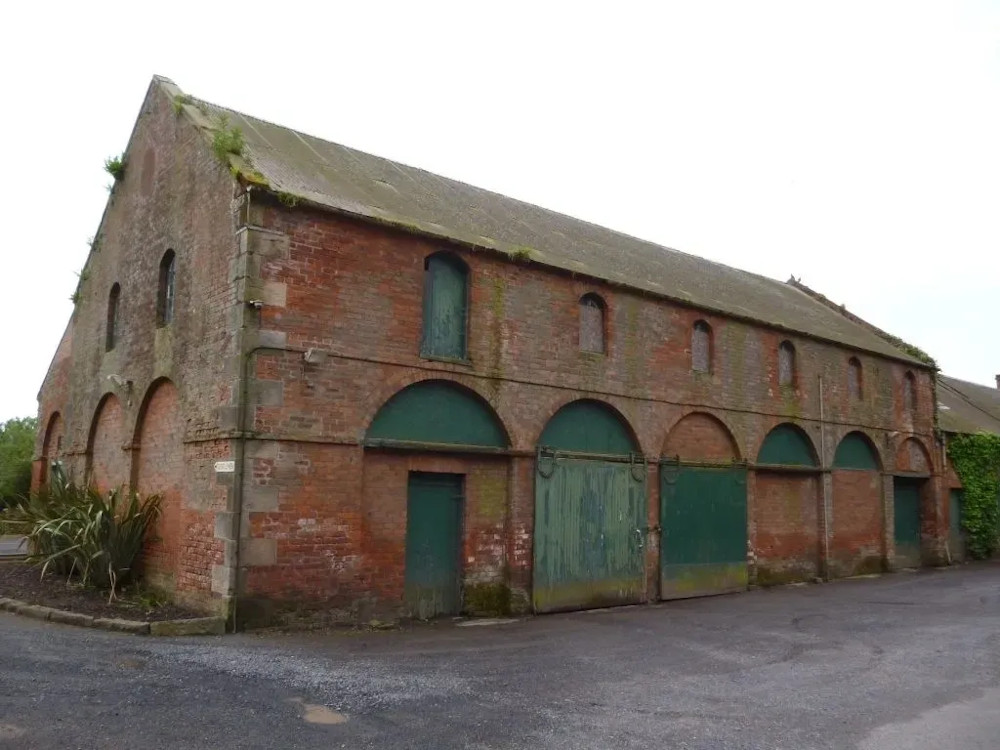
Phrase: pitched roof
pixel 352 182
pixel 967 407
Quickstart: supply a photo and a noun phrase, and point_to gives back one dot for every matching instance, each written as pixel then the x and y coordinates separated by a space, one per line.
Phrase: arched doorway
pixel 909 487
pixel 106 461
pixel 444 447
pixel 158 469
pixel 703 510
pixel 857 517
pixel 590 511
pixel 786 515
pixel 51 446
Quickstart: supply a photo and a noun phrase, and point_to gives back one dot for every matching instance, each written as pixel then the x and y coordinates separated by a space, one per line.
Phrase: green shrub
pixel 77 530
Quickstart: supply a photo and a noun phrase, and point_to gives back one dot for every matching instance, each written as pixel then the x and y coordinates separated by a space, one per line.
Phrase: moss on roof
pixel 348 181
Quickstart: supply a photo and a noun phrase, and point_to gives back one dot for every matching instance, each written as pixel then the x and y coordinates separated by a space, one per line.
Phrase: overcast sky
pixel 853 144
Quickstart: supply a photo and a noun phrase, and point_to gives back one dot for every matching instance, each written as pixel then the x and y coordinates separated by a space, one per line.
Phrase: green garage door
pixel 906 523
pixel 703 521
pixel 589 528
pixel 433 544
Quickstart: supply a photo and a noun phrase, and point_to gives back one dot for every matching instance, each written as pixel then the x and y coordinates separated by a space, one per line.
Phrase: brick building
pixel 964 408
pixel 366 390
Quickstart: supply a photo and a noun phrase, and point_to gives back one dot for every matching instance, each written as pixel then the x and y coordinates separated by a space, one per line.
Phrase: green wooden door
pixel 956 541
pixel 590 521
pixel 433 544
pixel 703 522
pixel 906 521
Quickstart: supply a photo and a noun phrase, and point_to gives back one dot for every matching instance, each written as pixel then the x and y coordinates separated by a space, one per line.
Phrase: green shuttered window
pixel 446 305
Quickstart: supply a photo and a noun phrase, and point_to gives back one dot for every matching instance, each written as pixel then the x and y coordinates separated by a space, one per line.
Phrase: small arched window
pixel 111 330
pixel 165 293
pixel 854 378
pixel 786 363
pixel 909 392
pixel 701 347
pixel 446 306
pixel 591 324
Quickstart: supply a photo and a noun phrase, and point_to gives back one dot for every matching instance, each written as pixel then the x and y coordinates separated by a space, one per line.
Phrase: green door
pixel 703 522
pixel 956 541
pixel 906 521
pixel 590 522
pixel 433 544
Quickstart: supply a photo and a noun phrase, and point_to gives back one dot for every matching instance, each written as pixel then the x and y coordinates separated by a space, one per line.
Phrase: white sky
pixel 853 144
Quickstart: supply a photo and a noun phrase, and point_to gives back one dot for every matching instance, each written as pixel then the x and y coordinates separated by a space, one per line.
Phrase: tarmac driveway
pixel 905 661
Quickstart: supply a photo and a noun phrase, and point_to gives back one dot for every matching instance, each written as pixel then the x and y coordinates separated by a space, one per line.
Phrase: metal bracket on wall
pixel 544 454
pixel 637 459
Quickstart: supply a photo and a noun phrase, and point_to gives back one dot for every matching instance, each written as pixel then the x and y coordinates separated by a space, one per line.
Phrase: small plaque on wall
pixel 225 467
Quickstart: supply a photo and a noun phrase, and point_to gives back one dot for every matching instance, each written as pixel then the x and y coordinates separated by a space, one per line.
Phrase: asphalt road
pixel 905 661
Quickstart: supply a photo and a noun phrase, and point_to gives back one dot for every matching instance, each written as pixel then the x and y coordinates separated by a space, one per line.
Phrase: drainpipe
pixel 827 480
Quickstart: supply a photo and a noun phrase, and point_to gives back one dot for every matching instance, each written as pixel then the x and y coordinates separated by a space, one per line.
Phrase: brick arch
pixel 912 456
pixel 158 469
pixel 105 459
pixel 701 436
pixel 51 444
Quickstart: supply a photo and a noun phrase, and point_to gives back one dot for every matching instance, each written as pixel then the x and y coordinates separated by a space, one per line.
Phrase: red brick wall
pixel 786 525
pixel 857 525
pixel 334 539
pixel 107 462
pixel 159 470
pixel 174 195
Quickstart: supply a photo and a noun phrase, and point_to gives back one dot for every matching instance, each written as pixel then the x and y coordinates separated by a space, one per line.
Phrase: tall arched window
pixel 854 378
pixel 909 392
pixel 165 293
pixel 786 363
pixel 446 307
pixel 111 331
pixel 701 347
pixel 591 324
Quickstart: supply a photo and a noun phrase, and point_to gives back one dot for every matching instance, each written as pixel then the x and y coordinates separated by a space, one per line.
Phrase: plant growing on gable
pixel 115 166
pixel 976 459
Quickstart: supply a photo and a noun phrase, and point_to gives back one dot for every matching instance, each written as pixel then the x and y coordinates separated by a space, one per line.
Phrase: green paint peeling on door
pixel 589 533
pixel 433 544
pixel 703 521
pixel 906 520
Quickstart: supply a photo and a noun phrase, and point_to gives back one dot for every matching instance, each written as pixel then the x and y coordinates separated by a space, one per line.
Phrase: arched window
pixel 786 363
pixel 854 378
pixel 701 347
pixel 909 392
pixel 111 331
pixel 165 293
pixel 591 324
pixel 446 306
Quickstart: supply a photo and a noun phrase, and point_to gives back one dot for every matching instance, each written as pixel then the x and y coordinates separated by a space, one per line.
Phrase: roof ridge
pixel 347 180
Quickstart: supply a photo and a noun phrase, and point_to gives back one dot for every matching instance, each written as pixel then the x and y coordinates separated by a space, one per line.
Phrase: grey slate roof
pixel 967 407
pixel 345 180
